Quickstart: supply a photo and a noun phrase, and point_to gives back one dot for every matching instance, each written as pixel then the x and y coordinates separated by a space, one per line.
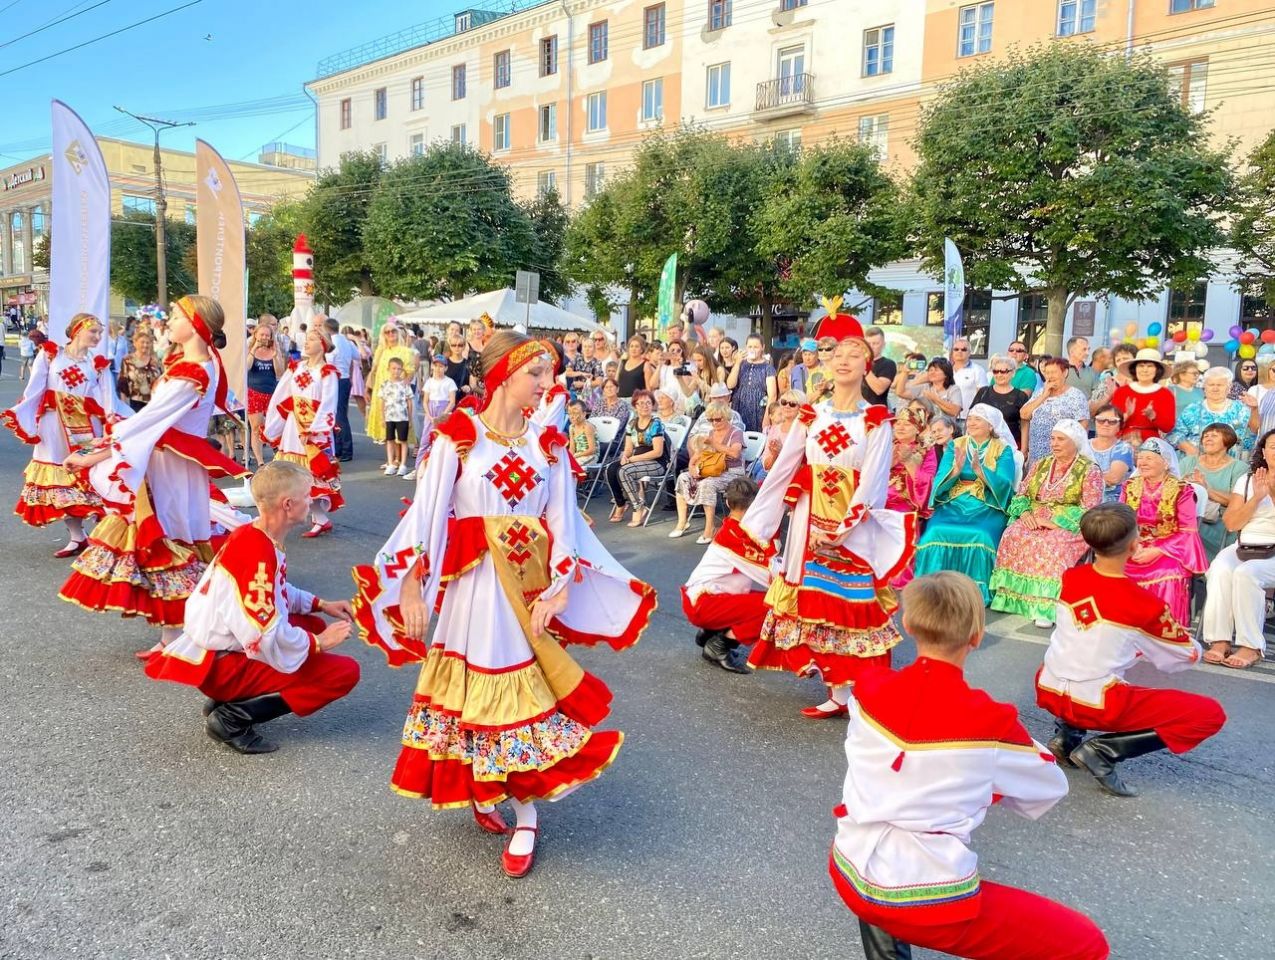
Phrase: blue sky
pixel 260 53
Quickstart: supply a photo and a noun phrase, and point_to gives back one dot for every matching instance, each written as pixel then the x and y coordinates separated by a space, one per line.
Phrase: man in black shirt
pixel 876 384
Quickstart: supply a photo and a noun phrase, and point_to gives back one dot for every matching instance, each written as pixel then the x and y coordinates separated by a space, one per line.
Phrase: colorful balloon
pixel 1268 336
pixel 1193 334
pixel 1248 337
pixel 1231 346
pixel 1206 336
pixel 1180 337
pixel 1235 332
pixel 1154 329
pixel 1130 329
pixel 1152 341
pixel 1247 351
pixel 1202 350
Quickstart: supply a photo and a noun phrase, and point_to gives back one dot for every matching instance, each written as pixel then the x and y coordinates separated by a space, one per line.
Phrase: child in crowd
pixel 725 595
pixel 438 393
pixel 252 642
pixel 584 438
pixel 396 398
pixel 928 755
pixel 1106 622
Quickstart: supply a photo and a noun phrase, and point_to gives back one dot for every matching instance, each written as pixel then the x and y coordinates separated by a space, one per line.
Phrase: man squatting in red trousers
pixel 725 595
pixel 928 755
pixel 252 642
pixel 1106 622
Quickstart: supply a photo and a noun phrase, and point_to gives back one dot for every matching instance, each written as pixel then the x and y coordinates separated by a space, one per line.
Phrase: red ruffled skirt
pixel 50 492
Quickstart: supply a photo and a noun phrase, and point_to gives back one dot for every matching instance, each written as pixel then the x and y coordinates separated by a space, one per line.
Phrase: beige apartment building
pixel 563 91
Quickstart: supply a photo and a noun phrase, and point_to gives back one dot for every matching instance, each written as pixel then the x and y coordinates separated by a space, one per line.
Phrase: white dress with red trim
pixel 66 404
pixel 831 608
pixel 146 556
pixel 927 756
pixel 299 424
pixel 499 712
pixel 241 604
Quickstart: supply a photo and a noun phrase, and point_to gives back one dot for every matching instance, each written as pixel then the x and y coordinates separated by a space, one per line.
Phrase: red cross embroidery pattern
pixel 517 539
pixel 303 379
pixel 831 485
pixel 834 439
pixel 72 376
pixel 512 478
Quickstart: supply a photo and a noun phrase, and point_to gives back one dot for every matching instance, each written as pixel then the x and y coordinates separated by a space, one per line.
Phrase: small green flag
pixel 668 287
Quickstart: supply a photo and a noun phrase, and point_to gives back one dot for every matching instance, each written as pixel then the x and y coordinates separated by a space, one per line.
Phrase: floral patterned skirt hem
pixel 50 493
pixel 840 653
pixel 1033 597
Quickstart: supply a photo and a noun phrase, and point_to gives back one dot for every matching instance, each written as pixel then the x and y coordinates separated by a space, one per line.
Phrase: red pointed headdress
pixel 840 326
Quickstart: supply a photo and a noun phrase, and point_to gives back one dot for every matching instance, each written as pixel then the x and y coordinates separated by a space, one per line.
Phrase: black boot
pixel 718 650
pixel 879 945
pixel 1066 738
pixel 232 723
pixel 1099 755
pixel 702 637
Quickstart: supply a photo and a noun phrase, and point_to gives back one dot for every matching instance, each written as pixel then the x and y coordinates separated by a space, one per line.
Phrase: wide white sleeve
pixel 133 439
pixel 300 601
pixel 763 517
pixel 882 537
pixel 23 417
pixel 1168 647
pixel 104 393
pixel 1028 782
pixel 325 415
pixel 272 426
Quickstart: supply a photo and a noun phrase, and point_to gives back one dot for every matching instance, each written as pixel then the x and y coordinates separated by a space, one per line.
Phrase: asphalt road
pixel 128 833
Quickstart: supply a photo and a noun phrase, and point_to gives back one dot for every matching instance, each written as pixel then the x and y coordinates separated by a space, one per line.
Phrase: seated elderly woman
pixel 717 458
pixel 1238 578
pixel 1169 551
pixel 645 457
pixel 1216 407
pixel 1216 471
pixel 1043 537
pixel 971 498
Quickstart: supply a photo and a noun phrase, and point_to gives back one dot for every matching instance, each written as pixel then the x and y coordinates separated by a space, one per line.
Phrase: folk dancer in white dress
pixel 147 555
pixel 300 421
pixel 67 403
pixel 496 547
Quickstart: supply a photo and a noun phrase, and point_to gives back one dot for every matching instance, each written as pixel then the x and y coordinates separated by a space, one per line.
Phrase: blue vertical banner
pixel 953 292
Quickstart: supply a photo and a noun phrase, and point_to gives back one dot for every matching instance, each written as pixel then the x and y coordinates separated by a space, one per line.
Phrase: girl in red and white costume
pixel 495 544
pixel 300 421
pixel 146 556
pixel 68 400
pixel 830 609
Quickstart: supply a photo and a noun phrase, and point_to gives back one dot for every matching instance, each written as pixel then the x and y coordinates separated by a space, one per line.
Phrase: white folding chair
pixel 1018 469
pixel 675 435
pixel 754 444
pixel 607 430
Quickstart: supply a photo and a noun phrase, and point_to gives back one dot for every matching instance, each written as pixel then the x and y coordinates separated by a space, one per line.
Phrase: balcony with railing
pixel 784 96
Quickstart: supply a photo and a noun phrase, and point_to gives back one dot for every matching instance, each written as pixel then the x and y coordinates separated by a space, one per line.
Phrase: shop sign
pixel 21 178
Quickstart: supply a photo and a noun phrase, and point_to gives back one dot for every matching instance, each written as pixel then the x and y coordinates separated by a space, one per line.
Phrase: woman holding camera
pixel 1003 396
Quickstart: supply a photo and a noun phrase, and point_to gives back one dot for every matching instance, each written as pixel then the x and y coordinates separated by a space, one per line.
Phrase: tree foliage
pixel 549 221
pixel 1253 228
pixel 269 258
pixel 1070 171
pixel 445 223
pixel 333 215
pixel 133 273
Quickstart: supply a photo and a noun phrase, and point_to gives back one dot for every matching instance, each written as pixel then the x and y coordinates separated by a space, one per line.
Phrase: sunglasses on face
pixel 826 349
pixel 960 349
pixel 1248 369
pixel 1106 421
pixel 716 419
pixel 789 403
pixel 1000 370
pixel 1017 349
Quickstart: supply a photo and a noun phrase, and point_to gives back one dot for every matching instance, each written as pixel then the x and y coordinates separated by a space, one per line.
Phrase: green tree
pixel 133 273
pixel 828 219
pixel 444 224
pixel 549 222
pixel 1253 228
pixel 1070 172
pixel 269 258
pixel 593 256
pixel 333 217
pixel 40 252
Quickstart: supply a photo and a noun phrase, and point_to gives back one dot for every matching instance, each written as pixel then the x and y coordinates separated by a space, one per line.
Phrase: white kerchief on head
pixel 1000 429
pixel 1163 448
pixel 1073 431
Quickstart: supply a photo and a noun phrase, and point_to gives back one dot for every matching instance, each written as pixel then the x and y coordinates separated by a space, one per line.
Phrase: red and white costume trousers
pixel 1182 720
pixel 742 613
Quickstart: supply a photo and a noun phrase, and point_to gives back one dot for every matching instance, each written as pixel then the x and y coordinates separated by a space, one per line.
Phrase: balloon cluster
pixel 152 311
pixel 1250 343
pixel 1183 341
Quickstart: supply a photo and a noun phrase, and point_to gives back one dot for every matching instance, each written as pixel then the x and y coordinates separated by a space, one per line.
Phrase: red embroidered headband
pixel 78 323
pixel 512 362
pixel 187 306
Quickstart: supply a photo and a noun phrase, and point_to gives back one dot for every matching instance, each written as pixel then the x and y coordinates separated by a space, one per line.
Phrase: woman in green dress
pixel 1215 470
pixel 972 491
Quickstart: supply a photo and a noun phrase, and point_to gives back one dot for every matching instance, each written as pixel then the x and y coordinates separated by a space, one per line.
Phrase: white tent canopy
pixel 502 308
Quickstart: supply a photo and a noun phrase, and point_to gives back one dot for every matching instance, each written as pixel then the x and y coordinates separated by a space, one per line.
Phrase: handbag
pixel 712 463
pixel 1252 551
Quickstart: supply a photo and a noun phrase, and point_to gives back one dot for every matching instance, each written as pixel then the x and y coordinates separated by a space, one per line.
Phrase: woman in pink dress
pixel 1169 551
pixel 911 473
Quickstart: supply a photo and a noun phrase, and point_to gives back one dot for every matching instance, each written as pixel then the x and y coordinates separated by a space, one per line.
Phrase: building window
pixel 653 100
pixel 791 4
pixel 380 103
pixel 1187 80
pixel 458 82
pixel 792 70
pixel 546 180
pixel 130 204
pixel 653 26
pixel 416 144
pixel 463 21
pixel 597 42
pixel 719 14
pixel 875 132
pixel 718 86
pixel 878 51
pixel 1076 16
pixel 887 311
pixel 1186 309
pixel 382 152
pixel 458 134
pixel 548 127
pixel 501 69
pixel 549 56
pixel 975 29
pixel 1255 312
pixel 418 93
pixel 500 132
pixel 934 309
pixel 1033 317
pixel 597 104
pixel 347 109
pixel 978 321
pixel 253 217
pixel 790 139
pixel 594 173
pixel 1186 6
pixel 192 213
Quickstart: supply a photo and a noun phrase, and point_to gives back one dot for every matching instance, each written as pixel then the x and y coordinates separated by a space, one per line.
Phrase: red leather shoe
pixel 818 713
pixel 72 549
pixel 518 865
pixel 318 530
pixel 492 822
pixel 145 655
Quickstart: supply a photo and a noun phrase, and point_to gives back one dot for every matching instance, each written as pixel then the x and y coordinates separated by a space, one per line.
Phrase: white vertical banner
pixel 80 256
pixel 220 239
pixel 953 292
